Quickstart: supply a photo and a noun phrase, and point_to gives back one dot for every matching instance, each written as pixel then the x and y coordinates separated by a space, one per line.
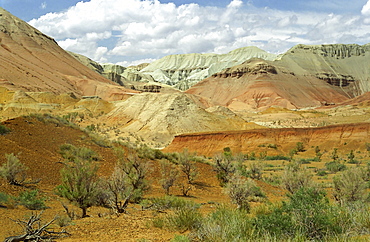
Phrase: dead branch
pixel 34 231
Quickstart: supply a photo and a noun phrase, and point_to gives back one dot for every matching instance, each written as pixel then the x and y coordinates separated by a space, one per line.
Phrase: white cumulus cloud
pixel 366 8
pixel 131 30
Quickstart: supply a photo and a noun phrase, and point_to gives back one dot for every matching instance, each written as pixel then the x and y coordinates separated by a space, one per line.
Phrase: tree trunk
pixel 84 212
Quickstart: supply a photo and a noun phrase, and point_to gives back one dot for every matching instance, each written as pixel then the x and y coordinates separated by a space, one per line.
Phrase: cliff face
pixel 341 65
pixel 345 137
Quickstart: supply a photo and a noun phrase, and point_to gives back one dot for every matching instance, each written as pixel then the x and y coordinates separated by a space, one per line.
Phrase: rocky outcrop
pixel 183 71
pixel 336 79
pixel 346 137
pixel 252 67
pixel 339 51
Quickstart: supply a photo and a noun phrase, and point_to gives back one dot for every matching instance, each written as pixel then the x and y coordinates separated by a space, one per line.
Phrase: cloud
pixel 127 31
pixel 43 5
pixel 366 8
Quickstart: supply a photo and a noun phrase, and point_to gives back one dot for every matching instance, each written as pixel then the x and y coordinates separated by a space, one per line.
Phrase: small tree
pixel 187 166
pixel 79 184
pixel 135 170
pixel 240 190
pixel 318 154
pixel 334 155
pixel 350 186
pixel 169 174
pixel 13 170
pixel 351 157
pixel 300 147
pixel 255 170
pixel 225 168
pixel 117 191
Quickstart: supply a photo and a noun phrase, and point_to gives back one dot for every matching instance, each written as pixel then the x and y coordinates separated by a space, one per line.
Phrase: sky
pixel 130 32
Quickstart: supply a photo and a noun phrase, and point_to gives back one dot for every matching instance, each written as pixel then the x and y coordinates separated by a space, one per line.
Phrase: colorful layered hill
pixel 32 61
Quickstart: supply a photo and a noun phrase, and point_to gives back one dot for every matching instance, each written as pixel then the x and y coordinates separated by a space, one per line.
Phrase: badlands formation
pixel 248 88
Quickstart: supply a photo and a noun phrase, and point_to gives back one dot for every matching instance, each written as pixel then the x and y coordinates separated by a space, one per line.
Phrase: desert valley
pixel 242 146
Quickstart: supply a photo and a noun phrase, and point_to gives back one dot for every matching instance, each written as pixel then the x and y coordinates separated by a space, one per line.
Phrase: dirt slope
pixel 345 137
pixel 32 61
pixel 258 84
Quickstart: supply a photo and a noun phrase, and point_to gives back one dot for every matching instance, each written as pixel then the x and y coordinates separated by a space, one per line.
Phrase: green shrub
pixel 63 221
pixel 276 157
pixel 31 200
pixel 4 129
pixel 300 147
pixel 321 173
pixel 180 238
pixel 3 199
pixel 306 161
pixel 350 186
pixel 71 152
pixel 307 213
pixel 183 219
pixel 171 202
pixel 80 184
pixel 240 190
pixel 335 166
pixel 295 178
pixel 225 224
pixel 135 168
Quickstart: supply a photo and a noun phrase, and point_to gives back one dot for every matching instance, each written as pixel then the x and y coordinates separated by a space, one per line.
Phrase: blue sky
pixel 133 31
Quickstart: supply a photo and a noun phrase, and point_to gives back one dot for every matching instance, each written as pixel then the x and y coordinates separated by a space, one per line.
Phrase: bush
pixel 31 200
pixel 3 199
pixel 225 224
pixel 80 184
pixel 350 186
pixel 335 166
pixel 255 170
pixel 115 191
pixel 240 190
pixel 13 170
pixel 276 157
pixel 4 129
pixel 135 170
pixel 71 152
pixel 187 166
pixel 295 178
pixel 225 167
pixel 170 202
pixel 300 147
pixel 307 213
pixel 183 219
pixel 321 173
pixel 169 173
